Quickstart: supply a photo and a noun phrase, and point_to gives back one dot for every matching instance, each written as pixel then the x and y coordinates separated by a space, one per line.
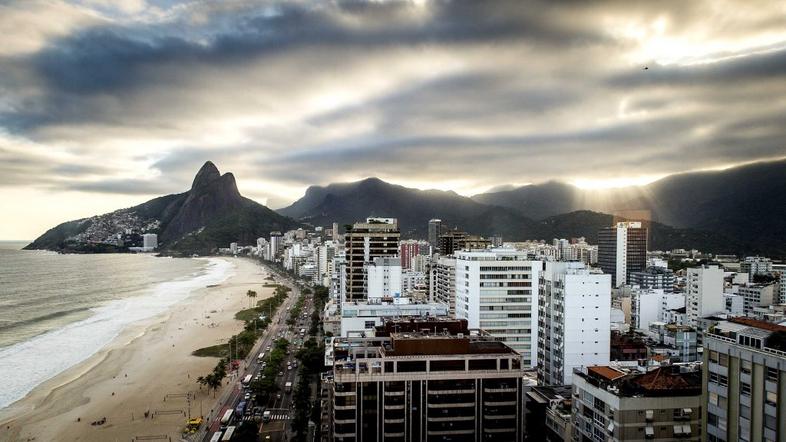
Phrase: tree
pixel 251 294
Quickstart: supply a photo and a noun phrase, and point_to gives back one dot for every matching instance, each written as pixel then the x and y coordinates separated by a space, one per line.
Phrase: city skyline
pixel 117 102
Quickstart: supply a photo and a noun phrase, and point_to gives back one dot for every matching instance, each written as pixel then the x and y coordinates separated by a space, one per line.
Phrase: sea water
pixel 58 310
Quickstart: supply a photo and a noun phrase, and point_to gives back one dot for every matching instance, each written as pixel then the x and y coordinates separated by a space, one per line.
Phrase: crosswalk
pixel 279 417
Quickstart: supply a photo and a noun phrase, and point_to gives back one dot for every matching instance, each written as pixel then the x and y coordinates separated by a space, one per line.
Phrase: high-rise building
pixel 757 295
pixel 434 231
pixel 408 250
pixel 574 321
pixel 149 241
pixel 657 278
pixel 756 265
pixel 648 305
pixel 744 381
pixel 409 383
pixel 383 276
pixel 376 238
pixel 336 234
pixel 614 405
pixel 455 240
pixel 497 291
pixel 442 282
pixel 276 244
pixel 704 293
pixel 622 249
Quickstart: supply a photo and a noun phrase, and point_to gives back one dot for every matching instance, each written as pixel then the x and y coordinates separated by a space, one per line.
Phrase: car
pixel 247 396
pixel 294 364
pixel 289 366
pixel 281 373
pixel 278 396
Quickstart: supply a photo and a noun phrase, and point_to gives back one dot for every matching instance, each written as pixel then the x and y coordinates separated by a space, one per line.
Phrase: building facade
pixel 745 381
pixel 574 321
pixel 408 385
pixel 613 405
pixel 704 293
pixel 376 238
pixel 622 250
pixel 497 291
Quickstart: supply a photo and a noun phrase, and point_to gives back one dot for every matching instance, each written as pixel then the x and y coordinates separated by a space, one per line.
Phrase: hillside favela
pixel 392 221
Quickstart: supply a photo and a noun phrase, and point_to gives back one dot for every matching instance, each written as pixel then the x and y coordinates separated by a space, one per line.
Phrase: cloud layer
pixel 128 98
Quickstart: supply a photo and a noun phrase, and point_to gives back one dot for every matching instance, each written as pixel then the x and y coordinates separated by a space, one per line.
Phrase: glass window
pixel 772 374
pixel 745 389
pixel 723 360
pixel 745 366
pixel 770 422
pixel 772 398
pixel 714 356
pixel 714 398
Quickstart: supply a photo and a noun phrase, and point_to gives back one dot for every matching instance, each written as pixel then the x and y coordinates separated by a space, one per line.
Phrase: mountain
pixel 209 215
pixel 347 203
pixel 745 203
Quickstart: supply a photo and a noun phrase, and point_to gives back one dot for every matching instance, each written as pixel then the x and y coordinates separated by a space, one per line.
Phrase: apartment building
pixel 427 381
pixel 745 381
pixel 613 405
pixel 376 238
pixel 497 291
pixel 704 293
pixel 574 321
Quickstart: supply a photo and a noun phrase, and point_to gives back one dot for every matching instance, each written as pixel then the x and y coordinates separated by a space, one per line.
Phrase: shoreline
pixel 147 362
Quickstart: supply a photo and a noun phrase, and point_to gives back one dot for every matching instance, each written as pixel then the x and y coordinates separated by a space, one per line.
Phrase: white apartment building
pixel 757 295
pixel 756 265
pixel 442 283
pixel 383 276
pixel 574 314
pixel 497 291
pixel 704 293
pixel 648 305
pixel 149 241
pixel 360 317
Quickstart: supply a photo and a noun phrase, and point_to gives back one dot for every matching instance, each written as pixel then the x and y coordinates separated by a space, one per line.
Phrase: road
pixel 281 408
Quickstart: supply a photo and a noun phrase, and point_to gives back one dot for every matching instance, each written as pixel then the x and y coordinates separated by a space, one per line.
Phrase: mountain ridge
pixel 210 215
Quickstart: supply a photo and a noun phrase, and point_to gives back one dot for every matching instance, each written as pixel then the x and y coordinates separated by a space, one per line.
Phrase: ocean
pixel 58 310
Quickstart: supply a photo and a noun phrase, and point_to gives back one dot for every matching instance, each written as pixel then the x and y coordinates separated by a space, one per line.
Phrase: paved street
pixel 280 404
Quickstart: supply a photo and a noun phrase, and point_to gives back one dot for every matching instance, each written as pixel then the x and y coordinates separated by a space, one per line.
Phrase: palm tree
pixel 251 294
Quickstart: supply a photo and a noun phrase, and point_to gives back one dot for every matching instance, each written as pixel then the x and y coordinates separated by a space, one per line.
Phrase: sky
pixel 105 104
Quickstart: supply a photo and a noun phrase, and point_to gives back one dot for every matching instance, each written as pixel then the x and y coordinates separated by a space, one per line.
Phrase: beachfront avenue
pixel 242 401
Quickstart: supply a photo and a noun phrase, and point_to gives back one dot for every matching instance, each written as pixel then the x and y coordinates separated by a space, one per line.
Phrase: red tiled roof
pixel 605 372
pixel 764 325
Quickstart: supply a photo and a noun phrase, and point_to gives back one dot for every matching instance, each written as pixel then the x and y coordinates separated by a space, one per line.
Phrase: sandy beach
pixel 148 367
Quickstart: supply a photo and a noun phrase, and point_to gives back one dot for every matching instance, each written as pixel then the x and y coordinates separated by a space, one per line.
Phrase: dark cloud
pixel 306 93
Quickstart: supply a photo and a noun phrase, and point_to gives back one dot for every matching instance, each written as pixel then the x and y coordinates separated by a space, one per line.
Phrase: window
pixel 369 324
pixel 723 380
pixel 772 374
pixel 723 360
pixel 770 422
pixel 745 389
pixel 745 366
pixel 714 356
pixel 714 398
pixel 772 398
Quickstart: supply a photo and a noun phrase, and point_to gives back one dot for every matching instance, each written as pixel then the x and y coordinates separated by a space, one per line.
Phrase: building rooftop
pixel 764 325
pixel 425 344
pixel 660 382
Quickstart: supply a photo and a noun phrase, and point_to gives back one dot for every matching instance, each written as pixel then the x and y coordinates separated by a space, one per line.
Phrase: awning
pixel 678 430
pixel 687 411
pixel 649 431
pixel 686 429
pixel 649 414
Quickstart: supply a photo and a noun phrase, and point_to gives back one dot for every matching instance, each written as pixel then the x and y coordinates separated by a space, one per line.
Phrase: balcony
pixel 344 407
pixel 453 405
pixel 464 391
pixel 394 421
pixel 500 390
pixel 451 419
pixel 499 416
pixel 343 421
pixel 499 403
pixel 394 407
pixel 394 393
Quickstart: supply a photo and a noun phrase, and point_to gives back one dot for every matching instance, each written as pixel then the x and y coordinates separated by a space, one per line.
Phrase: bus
pixel 226 418
pixel 216 437
pixel 247 380
pixel 229 433
pixel 261 357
